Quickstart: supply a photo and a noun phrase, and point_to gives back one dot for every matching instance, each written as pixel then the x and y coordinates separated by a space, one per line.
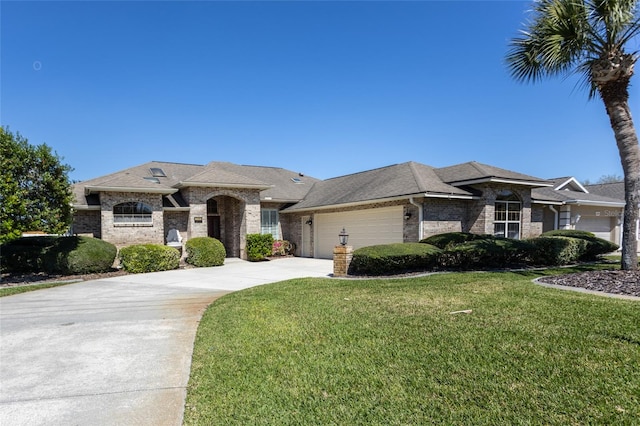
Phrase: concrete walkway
pixel 116 351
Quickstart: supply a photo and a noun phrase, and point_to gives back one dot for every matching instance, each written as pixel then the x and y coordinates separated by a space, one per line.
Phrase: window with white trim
pixel 506 222
pixel 132 212
pixel 269 222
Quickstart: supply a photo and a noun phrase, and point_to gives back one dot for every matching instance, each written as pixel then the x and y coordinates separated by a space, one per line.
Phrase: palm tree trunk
pixel 614 96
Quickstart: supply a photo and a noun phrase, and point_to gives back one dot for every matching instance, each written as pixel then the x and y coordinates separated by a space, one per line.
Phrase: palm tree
pixel 588 37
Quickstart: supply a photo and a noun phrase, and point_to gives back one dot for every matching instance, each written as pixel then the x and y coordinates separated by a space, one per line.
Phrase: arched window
pixel 132 211
pixel 506 222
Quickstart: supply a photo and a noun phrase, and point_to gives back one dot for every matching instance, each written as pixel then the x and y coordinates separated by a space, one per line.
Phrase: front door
pixel 213 227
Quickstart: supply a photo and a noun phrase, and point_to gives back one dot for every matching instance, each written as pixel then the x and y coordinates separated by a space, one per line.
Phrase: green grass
pixel 389 352
pixel 8 291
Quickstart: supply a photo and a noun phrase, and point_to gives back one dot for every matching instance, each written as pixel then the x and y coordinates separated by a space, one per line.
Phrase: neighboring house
pixel 594 208
pixel 399 203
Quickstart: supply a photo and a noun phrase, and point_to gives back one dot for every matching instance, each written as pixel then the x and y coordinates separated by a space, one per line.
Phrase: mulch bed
pixel 614 282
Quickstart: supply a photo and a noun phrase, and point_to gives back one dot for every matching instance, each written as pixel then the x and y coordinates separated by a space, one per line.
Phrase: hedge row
pixel 391 258
pixel 84 255
pixel 465 251
pixel 57 255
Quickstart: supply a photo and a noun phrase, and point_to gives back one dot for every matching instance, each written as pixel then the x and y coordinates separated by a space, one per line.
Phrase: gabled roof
pixel 568 184
pixel 568 190
pixel 167 178
pixel 285 185
pixel 551 196
pixel 473 172
pixel 216 176
pixel 386 183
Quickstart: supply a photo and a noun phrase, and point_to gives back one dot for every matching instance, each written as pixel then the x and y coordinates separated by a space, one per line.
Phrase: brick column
pixel 341 259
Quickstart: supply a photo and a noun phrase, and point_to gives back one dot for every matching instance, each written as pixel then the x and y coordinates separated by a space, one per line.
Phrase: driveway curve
pixel 116 351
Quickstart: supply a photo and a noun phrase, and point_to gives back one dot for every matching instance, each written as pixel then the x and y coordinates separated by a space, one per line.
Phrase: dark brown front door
pixel 213 227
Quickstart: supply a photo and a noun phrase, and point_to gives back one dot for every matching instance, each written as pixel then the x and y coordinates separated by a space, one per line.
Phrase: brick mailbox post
pixel 342 255
pixel 341 259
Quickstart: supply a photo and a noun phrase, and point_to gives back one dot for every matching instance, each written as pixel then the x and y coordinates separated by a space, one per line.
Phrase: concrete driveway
pixel 116 351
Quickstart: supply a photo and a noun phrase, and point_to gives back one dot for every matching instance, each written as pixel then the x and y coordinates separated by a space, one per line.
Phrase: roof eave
pixel 85 207
pixel 176 209
pixel 94 189
pixel 547 202
pixel 364 203
pixel 596 203
pixel 451 196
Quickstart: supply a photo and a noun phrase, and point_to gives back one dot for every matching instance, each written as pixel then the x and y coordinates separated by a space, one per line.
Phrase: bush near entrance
pixel 204 252
pixel 142 258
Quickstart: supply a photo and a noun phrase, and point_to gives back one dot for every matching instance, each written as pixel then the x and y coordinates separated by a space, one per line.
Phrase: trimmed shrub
pixel 387 259
pixel 595 246
pixel 556 250
pixel 60 255
pixel 486 252
pixel 205 251
pixel 451 239
pixel 259 246
pixel 142 258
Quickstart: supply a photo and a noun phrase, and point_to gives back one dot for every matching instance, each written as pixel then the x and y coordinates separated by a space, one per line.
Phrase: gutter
pixel 379 200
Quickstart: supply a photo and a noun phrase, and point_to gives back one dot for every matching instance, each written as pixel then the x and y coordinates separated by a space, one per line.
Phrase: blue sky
pixel 322 88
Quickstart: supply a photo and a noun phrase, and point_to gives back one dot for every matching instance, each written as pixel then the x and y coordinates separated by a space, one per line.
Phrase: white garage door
pixel 600 226
pixel 365 228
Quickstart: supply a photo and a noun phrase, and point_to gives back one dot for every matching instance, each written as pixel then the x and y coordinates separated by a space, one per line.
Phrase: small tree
pixel 35 192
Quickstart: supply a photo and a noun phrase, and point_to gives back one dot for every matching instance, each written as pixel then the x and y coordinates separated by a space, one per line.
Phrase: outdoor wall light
pixel 407 216
pixel 309 222
pixel 344 237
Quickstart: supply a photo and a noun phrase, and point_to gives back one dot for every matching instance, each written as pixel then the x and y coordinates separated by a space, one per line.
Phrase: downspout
pixel 420 216
pixel 555 217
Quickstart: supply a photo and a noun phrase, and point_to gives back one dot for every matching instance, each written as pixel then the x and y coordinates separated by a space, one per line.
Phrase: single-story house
pixel 398 203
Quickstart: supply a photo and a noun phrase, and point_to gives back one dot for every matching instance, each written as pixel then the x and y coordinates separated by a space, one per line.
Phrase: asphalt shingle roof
pixel 387 182
pixel 276 182
pixel 472 171
pixel 612 190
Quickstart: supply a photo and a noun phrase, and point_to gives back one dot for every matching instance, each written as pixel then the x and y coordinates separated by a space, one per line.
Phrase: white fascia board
pixel 93 189
pixel 571 180
pixel 353 204
pixel 383 200
pixel 452 196
pixel 547 202
pixel 498 180
pixel 596 203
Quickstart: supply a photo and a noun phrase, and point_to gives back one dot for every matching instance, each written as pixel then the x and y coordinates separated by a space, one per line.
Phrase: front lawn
pixel 390 352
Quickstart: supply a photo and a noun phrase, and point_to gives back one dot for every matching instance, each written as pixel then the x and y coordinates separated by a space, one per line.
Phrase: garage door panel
pixel 600 226
pixel 365 228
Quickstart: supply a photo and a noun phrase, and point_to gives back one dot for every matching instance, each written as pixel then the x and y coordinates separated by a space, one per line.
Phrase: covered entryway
pixel 365 228
pixel 224 215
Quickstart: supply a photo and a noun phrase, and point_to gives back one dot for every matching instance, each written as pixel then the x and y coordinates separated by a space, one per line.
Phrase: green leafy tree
pixel 589 38
pixel 35 192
